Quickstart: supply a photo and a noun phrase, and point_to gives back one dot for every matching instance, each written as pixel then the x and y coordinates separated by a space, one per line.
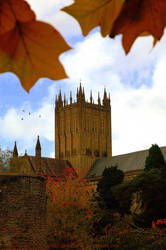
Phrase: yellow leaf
pixel 93 13
pixel 31 51
pixel 12 11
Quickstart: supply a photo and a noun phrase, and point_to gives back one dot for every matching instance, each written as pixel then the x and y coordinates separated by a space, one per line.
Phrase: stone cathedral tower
pixel 82 130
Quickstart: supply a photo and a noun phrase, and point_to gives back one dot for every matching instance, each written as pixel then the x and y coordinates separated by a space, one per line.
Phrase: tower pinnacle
pixel 99 103
pixel 15 151
pixel 38 147
pixel 91 96
pixel 70 97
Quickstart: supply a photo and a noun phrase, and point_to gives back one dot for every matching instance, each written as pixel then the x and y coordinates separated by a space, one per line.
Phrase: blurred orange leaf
pixel 93 13
pixel 137 17
pixel 12 11
pixel 31 51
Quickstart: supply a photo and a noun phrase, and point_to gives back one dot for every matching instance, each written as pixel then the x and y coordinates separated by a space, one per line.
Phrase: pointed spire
pixel 91 96
pixel 99 102
pixel 70 97
pixel 64 100
pixel 80 90
pixel 105 93
pixel 60 99
pixel 38 147
pixel 60 95
pixel 105 97
pixel 15 151
pixel 25 153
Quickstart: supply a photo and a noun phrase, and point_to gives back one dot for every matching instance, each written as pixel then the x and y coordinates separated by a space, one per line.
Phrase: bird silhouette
pixel 23 110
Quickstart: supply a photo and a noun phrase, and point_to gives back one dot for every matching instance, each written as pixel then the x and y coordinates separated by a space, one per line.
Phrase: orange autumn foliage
pixel 92 13
pixel 70 211
pixel 13 11
pixel 29 48
pixel 137 17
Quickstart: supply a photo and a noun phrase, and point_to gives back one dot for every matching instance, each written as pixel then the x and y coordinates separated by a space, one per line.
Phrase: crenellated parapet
pixel 80 99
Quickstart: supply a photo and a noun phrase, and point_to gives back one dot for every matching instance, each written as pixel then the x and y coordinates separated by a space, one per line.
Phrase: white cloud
pixel 50 13
pixel 43 8
pixel 52 155
pixel 24 127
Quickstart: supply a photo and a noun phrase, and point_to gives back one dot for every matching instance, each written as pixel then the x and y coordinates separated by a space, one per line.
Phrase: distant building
pixel 83 141
pixel 82 130
pixel 38 165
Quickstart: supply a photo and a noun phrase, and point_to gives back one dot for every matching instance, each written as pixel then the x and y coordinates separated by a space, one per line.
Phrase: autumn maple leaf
pixel 12 11
pixel 93 13
pixel 137 17
pixel 31 50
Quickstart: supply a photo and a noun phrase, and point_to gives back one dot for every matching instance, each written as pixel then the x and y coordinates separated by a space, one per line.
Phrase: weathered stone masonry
pixel 22 212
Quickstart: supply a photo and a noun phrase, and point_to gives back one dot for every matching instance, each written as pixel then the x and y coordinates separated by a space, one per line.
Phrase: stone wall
pixel 22 212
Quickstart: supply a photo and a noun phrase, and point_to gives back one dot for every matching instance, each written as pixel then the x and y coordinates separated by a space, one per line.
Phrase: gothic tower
pixel 82 130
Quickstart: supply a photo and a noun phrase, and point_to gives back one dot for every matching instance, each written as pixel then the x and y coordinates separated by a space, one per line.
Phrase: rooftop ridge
pixel 135 152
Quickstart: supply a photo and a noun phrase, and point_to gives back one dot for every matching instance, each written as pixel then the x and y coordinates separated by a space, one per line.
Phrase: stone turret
pixel 91 96
pixel 106 100
pixel 38 148
pixel 99 102
pixel 64 101
pixel 38 156
pixel 15 151
pixel 80 94
pixel 83 130
pixel 59 102
pixel 70 97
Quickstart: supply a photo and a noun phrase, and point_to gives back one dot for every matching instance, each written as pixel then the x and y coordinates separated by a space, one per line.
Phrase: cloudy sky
pixel 136 82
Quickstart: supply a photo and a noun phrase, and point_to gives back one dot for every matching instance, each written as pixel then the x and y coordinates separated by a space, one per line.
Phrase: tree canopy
pixel 111 176
pixel 155 159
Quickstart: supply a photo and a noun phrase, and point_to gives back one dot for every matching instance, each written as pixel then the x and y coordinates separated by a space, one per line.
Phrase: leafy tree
pixel 106 200
pixel 151 187
pixel 5 156
pixel 111 176
pixel 153 191
pixel 123 194
pixel 155 159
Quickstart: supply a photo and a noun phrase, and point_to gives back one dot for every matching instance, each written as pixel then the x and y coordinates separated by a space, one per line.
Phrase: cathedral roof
pixel 53 167
pixel 127 162
pixel 32 165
